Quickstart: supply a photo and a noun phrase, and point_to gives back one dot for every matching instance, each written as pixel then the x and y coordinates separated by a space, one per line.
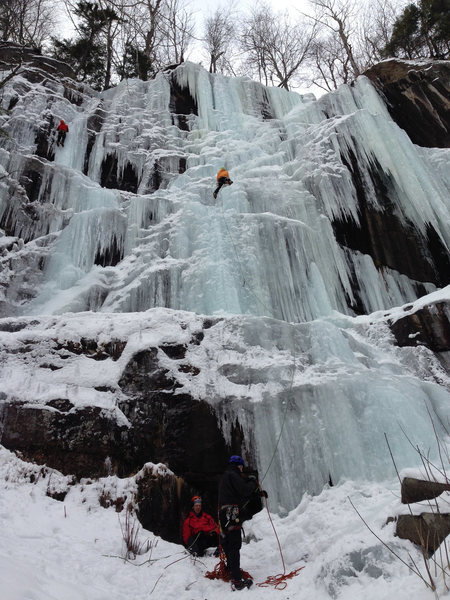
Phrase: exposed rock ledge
pixel 418 98
pixel 429 528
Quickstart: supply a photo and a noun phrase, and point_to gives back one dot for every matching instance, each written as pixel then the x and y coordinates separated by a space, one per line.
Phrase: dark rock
pixel 50 366
pixel 112 177
pixel 427 531
pixel 13 326
pixel 92 349
pixel 144 375
pixel 194 371
pixel 385 237
pixel 181 104
pixel 155 179
pixel 58 495
pixel 76 442
pixel 44 138
pixel 61 404
pixel 110 256
pixel 429 326
pixel 13 54
pixel 161 498
pixel 94 125
pixel 416 490
pixel 418 98
pixel 175 351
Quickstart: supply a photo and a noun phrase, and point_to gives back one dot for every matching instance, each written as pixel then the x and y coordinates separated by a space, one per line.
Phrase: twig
pixel 150 560
pixel 415 571
pixel 172 563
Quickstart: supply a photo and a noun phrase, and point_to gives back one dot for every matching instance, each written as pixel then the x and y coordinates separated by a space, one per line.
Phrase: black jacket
pixel 233 488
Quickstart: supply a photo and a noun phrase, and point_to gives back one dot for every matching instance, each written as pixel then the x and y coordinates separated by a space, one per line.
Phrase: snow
pixel 72 549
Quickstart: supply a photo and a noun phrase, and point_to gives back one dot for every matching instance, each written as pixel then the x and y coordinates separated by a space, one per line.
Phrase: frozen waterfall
pixel 126 222
pixel 267 245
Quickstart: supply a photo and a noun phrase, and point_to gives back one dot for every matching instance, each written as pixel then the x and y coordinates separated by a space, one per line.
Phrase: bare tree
pixel 331 66
pixel 177 28
pixel 339 18
pixel 276 47
pixel 219 34
pixel 161 30
pixel 141 24
pixel 27 22
pixel 376 28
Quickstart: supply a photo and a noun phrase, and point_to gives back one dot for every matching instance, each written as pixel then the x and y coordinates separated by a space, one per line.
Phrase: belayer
pixel 223 178
pixel 200 531
pixel 234 494
pixel 62 130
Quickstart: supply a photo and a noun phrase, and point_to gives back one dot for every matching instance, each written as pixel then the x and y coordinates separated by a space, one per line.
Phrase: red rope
pixel 220 571
pixel 278 581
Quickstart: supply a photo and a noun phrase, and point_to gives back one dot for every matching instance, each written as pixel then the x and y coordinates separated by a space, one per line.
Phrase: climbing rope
pixel 278 581
pixel 264 305
pixel 220 571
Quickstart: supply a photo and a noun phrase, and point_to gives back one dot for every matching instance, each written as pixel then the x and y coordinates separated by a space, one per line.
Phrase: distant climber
pixel 223 178
pixel 62 130
pixel 200 531
pixel 235 492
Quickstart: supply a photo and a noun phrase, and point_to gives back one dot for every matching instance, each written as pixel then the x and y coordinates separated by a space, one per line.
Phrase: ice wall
pixel 267 246
pixel 122 220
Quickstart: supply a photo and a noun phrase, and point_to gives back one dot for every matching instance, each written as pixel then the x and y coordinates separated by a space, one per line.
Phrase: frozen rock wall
pixel 158 324
pixel 333 207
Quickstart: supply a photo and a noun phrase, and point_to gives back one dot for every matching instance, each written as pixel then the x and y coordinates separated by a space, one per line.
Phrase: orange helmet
pixel 196 500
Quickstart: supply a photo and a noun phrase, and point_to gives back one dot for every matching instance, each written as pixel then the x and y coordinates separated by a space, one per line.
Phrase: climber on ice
pixel 223 178
pixel 200 531
pixel 62 130
pixel 235 491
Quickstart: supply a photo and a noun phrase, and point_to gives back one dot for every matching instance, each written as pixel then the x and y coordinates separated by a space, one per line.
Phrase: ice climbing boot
pixel 240 584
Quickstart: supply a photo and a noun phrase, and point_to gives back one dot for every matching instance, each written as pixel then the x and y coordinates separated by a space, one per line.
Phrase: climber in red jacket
pixel 223 178
pixel 62 130
pixel 200 531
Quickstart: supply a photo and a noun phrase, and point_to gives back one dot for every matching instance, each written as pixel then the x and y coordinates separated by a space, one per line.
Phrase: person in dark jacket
pixel 62 130
pixel 200 531
pixel 223 178
pixel 234 494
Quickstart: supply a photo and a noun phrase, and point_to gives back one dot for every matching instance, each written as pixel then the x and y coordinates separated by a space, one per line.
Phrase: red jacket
pixel 196 523
pixel 62 126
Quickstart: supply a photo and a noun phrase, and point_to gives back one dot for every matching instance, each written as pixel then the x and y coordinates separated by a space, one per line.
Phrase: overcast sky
pixel 205 8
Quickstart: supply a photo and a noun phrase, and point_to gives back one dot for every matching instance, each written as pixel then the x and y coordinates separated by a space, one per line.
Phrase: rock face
pixel 162 500
pixel 415 490
pixel 429 529
pixel 162 425
pixel 429 326
pixel 426 530
pixel 418 98
pixel 75 442
pixel 14 54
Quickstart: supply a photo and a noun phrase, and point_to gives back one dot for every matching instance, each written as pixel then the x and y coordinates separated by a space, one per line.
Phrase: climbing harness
pixel 229 518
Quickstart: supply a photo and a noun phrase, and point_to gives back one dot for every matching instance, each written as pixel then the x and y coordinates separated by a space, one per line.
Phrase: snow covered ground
pixel 70 550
